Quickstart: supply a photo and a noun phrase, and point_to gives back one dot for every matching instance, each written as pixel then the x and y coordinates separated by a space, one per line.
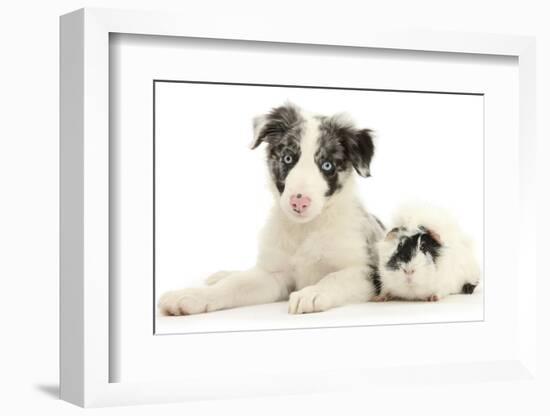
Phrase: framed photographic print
pixel 303 204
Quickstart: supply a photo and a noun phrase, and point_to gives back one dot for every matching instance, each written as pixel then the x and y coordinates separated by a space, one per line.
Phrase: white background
pixel 211 190
pixel 29 173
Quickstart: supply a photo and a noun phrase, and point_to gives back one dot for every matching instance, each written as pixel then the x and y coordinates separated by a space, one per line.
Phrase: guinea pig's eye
pixel 288 159
pixel 327 166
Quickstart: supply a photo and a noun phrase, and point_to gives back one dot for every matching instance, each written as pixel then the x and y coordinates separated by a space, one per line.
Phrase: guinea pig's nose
pixel 408 271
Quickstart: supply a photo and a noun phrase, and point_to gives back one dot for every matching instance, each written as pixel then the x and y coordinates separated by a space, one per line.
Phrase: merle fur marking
pixel 408 247
pixel 282 130
pixel 288 145
pixel 468 288
pixel 343 145
pixel 331 150
pixel 356 145
pixel 278 123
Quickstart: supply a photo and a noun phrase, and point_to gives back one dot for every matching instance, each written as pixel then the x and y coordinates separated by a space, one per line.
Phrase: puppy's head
pixel 310 157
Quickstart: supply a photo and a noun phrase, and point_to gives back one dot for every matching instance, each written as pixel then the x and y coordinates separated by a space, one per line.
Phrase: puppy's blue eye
pixel 327 166
pixel 288 159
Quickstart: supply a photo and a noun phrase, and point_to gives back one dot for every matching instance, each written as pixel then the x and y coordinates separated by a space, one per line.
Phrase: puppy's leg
pixel 350 285
pixel 244 288
pixel 216 277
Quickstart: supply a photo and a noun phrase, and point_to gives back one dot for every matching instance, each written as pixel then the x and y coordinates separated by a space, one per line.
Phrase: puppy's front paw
pixel 187 301
pixel 309 299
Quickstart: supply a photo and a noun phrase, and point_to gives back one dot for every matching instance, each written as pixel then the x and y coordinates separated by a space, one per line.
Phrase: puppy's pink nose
pixel 299 203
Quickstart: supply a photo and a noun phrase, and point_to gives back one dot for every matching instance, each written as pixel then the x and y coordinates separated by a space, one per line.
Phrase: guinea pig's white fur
pixel 454 267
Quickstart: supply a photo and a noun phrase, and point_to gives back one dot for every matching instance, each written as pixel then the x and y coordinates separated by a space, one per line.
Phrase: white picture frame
pixel 85 222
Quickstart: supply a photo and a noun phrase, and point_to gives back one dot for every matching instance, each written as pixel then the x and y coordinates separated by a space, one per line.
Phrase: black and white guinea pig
pixel 425 256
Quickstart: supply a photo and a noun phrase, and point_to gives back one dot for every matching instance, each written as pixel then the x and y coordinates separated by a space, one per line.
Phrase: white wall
pixel 29 177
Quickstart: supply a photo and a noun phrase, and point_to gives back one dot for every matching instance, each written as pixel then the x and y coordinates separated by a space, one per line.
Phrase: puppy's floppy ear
pixel 258 124
pixel 273 126
pixel 360 149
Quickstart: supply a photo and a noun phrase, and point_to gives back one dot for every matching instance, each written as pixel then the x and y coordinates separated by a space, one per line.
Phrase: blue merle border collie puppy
pixel 318 245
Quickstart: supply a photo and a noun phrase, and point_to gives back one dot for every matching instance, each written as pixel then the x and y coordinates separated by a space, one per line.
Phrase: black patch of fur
pixel 375 279
pixel 468 288
pixel 360 148
pixel 407 249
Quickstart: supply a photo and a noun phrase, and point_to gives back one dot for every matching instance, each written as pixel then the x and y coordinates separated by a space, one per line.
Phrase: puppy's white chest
pixel 312 260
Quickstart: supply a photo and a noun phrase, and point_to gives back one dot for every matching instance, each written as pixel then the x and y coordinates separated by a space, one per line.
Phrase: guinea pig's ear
pixel 360 149
pixel 432 234
pixel 392 235
pixel 271 127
